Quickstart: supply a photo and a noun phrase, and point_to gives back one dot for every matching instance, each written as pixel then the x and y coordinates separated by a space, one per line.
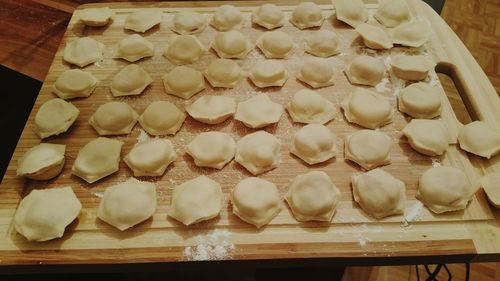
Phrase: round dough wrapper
pixel 96 16
pixel 83 51
pixel 269 16
pixel 352 12
pixel 410 67
pixel 227 17
pixel 134 47
pixel 307 106
pixel 323 43
pixel 114 118
pixel 150 157
pixel 365 70
pixel 316 72
pixel 74 83
pixel 420 100
pixel 258 112
pixel 189 22
pixel 231 45
pixel 480 139
pixel 212 149
pixel 307 15
pixel 212 109
pixel 368 148
pixel 143 20
pixel 314 143
pixel 162 118
pixel 374 37
pixel 258 152
pixel 367 109
pixel 391 13
pixel 411 34
pixel 275 44
pixel 429 137
pixel 130 81
pixel 223 73
pixel 491 186
pixel 54 117
pixel 42 162
pixel 268 73
pixel 184 49
pixel 183 82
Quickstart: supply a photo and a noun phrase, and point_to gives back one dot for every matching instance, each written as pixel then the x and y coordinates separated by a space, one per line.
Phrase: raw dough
pixel 227 17
pixel 428 137
pixel 143 20
pixel 352 12
pixel 379 193
pixel 212 109
pixel 44 214
pixel 134 48
pixel 275 44
pixel 41 162
pixel 258 152
pixel 411 67
pixel 74 83
pixel 367 109
pixel 374 37
pixel 129 81
pixel 162 118
pixel 231 45
pixel 313 197
pixel 411 34
pixel 183 82
pixel 307 106
pixel 392 13
pixel 323 43
pixel 258 111
pixel 113 118
pixel 368 148
pixel 256 201
pixel 189 22
pixel 212 149
pixel 269 16
pixel 54 117
pixel 268 73
pixel 316 72
pixel 96 16
pixel 150 157
pixel 196 200
pixel 83 51
pixel 97 159
pixel 128 203
pixel 365 70
pixel 184 49
pixel 420 100
pixel 224 73
pixel 480 139
pixel 307 15
pixel 491 186
pixel 314 143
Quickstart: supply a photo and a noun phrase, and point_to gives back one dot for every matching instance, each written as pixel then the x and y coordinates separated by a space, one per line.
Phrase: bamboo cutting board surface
pixel 350 234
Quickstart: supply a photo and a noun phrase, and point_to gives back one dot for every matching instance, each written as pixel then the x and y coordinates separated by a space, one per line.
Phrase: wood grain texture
pixel 351 233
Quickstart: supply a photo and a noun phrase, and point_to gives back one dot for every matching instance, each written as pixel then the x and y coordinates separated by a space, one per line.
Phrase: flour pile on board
pixel 411 215
pixel 212 246
pixel 143 136
pixel 380 87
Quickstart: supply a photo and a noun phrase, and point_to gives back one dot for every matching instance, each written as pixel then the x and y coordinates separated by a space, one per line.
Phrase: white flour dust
pixel 215 245
pixel 143 136
pixel 412 214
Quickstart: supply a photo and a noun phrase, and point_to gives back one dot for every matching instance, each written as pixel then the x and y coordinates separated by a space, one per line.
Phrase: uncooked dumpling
pixel 392 13
pixel 428 137
pixel 368 148
pixel 374 37
pixel 323 43
pixel 268 73
pixel 150 157
pixel 134 48
pixel 316 73
pixel 491 186
pixel 227 17
pixel 275 44
pixel 189 22
pixel 367 109
pixel 83 51
pixel 96 16
pixel 269 16
pixel 444 189
pixel 224 73
pixel 162 118
pixel 411 34
pixel 256 201
pixel 212 109
pixel 411 67
pixel 480 139
pixel 352 12
pixel 212 149
pixel 183 82
pixel 258 152
pixel 113 118
pixel 307 15
pixel 379 193
pixel 420 100
pixel 97 159
pixel 307 106
pixel 314 143
pixel 196 200
pixel 142 20
pixel 258 111
pixel 313 197
pixel 44 214
pixel 54 117
pixel 74 83
pixel 41 162
pixel 231 45
pixel 184 49
pixel 130 81
pixel 365 70
pixel 128 203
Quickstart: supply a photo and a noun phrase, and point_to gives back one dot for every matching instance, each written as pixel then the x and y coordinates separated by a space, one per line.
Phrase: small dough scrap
pixel 231 45
pixel 323 43
pixel 444 189
pixel 411 34
pixel 268 73
pixel 258 111
pixel 196 200
pixel 316 72
pixel 275 44
pixel 368 148
pixel 269 16
pixel 44 213
pixel 258 152
pixel 428 137
pixel 256 201
pixel 480 139
pixel 391 13
pixel 150 157
pixel 212 149
pixel 189 22
pixel 184 49
pixel 99 158
pixel 227 17
pixel 307 106
pixel 41 162
pixel 374 37
pixel 365 70
pixel 142 20
pixel 113 118
pixel 212 109
pixel 420 100
pixel 131 80
pixel 352 12
pixel 54 117
pixel 183 82
pixel 314 143
pixel 224 73
pixel 74 83
pixel 491 186
pixel 134 47
pixel 83 51
pixel 162 118
pixel 307 15
pixel 410 67
pixel 96 16
pixel 379 193
pixel 313 197
pixel 128 203
pixel 367 109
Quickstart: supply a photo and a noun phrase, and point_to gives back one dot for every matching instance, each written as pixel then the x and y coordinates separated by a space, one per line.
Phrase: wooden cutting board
pixel 473 234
